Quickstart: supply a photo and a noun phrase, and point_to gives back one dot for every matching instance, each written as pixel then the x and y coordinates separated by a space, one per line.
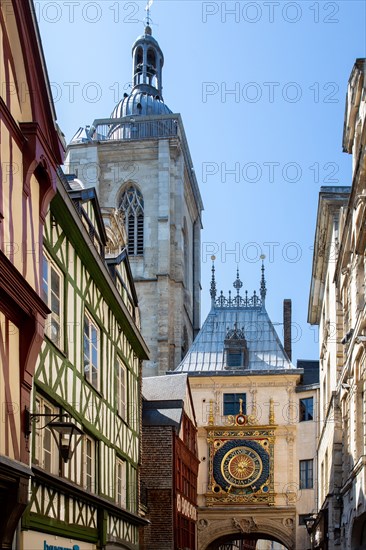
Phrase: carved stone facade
pixel 337 305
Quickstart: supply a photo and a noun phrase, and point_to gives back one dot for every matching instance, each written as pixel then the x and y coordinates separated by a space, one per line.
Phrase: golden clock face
pixel 241 466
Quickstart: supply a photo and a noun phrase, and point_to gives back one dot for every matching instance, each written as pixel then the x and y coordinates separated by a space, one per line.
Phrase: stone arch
pixel 120 190
pixel 281 530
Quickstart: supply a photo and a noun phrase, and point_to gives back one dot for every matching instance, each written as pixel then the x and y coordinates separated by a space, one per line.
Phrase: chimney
pixel 287 341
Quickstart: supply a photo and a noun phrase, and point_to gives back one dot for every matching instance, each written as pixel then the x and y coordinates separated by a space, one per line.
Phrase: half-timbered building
pixel 30 150
pixel 88 372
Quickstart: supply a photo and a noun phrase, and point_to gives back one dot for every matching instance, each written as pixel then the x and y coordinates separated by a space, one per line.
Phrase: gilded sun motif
pixel 241 466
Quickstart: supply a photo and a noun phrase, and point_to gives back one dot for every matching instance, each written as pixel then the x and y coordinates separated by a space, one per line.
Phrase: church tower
pixel 139 161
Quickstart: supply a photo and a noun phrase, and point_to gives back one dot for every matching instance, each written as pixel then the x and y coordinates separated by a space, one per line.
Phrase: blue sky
pixel 261 88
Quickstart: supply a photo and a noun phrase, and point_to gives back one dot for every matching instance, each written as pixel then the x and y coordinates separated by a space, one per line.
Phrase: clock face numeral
pixel 241 465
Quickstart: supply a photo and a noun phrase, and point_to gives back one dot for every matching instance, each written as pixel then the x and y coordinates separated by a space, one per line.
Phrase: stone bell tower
pixel 139 161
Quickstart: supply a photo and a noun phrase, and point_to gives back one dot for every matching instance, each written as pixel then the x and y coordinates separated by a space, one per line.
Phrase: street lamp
pixel 63 431
pixel 309 523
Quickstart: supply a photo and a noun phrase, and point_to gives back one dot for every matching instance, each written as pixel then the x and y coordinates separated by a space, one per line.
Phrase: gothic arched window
pixel 132 204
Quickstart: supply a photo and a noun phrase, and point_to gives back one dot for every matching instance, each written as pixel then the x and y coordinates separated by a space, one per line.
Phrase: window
pixel 121 482
pixel 46 453
pixel 132 204
pixel 91 352
pixel 121 400
pixel 306 409
pixel 52 288
pixel 232 402
pixel 306 474
pixel 236 351
pixel 89 464
pixel 234 358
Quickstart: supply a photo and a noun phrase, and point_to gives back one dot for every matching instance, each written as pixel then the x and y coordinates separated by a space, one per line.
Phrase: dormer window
pixel 236 349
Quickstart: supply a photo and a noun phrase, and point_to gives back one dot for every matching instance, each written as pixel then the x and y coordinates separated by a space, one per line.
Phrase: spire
pixel 213 283
pixel 263 290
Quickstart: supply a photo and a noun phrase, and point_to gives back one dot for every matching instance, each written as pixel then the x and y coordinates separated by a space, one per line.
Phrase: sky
pixel 261 88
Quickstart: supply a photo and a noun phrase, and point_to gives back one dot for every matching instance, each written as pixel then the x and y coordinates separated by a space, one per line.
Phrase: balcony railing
pixel 133 128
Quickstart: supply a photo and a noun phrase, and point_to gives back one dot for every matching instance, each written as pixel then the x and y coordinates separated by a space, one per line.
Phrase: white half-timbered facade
pixel 89 368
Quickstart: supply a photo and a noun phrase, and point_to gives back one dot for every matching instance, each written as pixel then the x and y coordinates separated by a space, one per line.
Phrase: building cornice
pixel 331 199
pixel 353 99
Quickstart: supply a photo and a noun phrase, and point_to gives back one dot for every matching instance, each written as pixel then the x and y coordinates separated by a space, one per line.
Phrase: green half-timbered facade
pixel 90 369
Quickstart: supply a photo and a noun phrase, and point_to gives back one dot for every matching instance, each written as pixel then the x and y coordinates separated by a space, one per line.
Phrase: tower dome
pixel 146 97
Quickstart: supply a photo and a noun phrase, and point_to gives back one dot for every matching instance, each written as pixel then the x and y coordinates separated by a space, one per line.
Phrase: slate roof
pixel 160 388
pixel 311 371
pixel 163 400
pixel 265 349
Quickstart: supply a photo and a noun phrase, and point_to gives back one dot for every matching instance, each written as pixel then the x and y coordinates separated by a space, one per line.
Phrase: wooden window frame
pixel 121 482
pixel 50 297
pixel 43 436
pixel 93 343
pixel 121 389
pixel 306 474
pixel 89 463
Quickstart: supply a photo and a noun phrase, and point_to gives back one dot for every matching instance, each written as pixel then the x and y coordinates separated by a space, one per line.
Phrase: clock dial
pixel 241 464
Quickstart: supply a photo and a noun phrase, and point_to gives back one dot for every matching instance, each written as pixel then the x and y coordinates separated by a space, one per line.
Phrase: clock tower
pixel 255 413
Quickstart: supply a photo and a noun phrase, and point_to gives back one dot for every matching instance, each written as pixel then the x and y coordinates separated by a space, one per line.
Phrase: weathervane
pixel 147 9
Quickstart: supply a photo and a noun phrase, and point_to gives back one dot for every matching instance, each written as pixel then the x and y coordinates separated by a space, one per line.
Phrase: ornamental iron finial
pixel 237 284
pixel 213 282
pixel 256 300
pixel 263 290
